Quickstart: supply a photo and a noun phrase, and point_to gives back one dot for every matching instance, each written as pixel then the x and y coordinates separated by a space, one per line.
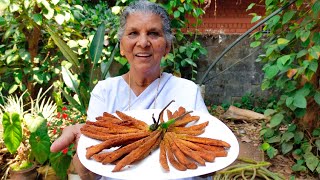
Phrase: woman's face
pixel 143 42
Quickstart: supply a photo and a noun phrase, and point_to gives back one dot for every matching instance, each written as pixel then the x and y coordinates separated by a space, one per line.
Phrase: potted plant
pixel 25 131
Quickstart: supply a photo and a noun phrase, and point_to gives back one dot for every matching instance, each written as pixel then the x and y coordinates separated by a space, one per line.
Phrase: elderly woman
pixel 145 37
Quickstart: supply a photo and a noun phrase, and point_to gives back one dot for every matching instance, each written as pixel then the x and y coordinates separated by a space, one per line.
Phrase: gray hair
pixel 146 7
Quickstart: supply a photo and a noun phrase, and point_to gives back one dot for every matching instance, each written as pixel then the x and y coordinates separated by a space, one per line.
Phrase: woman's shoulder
pixel 110 80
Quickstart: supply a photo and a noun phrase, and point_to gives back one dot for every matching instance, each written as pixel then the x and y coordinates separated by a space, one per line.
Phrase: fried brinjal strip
pixel 137 123
pixel 187 151
pixel 97 135
pixel 169 114
pixel 108 119
pixel 189 132
pixel 187 119
pixel 176 164
pixel 100 157
pixel 179 155
pixel 204 154
pixel 111 157
pixel 154 147
pixel 163 157
pixel 110 129
pixel 106 114
pixel 117 140
pixel 204 140
pixel 200 126
pixel 114 127
pixel 138 152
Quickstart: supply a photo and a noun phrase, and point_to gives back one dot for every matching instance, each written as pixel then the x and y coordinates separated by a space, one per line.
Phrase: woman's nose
pixel 143 41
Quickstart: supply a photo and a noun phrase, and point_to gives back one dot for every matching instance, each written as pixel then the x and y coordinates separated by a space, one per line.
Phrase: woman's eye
pixel 132 34
pixel 154 34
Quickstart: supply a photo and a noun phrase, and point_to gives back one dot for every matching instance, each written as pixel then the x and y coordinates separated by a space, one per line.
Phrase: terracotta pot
pixel 25 174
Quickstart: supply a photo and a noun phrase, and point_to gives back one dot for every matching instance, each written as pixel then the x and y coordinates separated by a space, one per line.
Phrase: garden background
pixel 52 53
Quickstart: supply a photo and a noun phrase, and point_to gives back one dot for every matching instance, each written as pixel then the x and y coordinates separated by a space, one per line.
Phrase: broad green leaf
pixel 316 132
pixel 268 2
pixel 65 49
pixel 73 102
pixel 4 4
pixel 298 137
pixel 181 9
pixel 289 101
pixel 313 66
pixel 276 120
pixel 255 19
pixel 272 152
pixel 37 18
pixel 316 8
pixel 304 35
pixel 302 53
pixel 269 112
pixel 59 18
pixel 265 146
pixel 12 131
pixel 314 52
pixel 60 163
pixel 13 88
pixel 274 139
pixel 2 21
pixel 265 85
pixel 284 59
pixel 50 11
pixel 250 6
pixel 115 10
pixel 312 161
pixel 106 66
pixel 300 101
pixel 97 44
pixel 317 97
pixel 55 2
pixel 292 127
pixel 255 44
pixel 287 16
pixel 271 71
pixel 282 41
pixel 298 167
pixel 176 14
pixel 286 147
pixel 287 136
pixel 306 147
pixel 33 123
pixel 40 144
pixel 69 79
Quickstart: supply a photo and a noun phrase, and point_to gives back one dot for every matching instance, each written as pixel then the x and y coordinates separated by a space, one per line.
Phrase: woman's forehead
pixel 144 19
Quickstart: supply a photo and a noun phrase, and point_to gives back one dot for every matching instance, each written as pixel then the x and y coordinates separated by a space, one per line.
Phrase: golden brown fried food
pixel 117 140
pixel 163 157
pixel 204 140
pixel 138 152
pixel 137 123
pixel 176 164
pixel 179 155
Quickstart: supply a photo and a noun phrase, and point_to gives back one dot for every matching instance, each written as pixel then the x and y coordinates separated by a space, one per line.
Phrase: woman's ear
pixel 168 48
pixel 121 51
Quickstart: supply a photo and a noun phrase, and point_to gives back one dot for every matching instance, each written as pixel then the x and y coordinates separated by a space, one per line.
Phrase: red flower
pixel 64 116
pixel 65 151
pixel 54 131
pixel 64 108
pixel 58 115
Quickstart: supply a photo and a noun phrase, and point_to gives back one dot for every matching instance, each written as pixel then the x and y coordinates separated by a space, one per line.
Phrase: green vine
pixel 291 59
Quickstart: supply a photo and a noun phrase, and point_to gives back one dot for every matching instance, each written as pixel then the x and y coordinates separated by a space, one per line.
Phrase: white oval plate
pixel 150 168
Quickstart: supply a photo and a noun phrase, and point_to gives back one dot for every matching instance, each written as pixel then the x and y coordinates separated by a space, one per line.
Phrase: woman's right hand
pixel 71 134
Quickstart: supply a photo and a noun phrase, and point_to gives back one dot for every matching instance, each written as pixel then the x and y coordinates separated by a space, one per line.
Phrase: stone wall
pixel 236 74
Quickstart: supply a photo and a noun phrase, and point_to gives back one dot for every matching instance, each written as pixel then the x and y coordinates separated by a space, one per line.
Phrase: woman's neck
pixel 138 83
